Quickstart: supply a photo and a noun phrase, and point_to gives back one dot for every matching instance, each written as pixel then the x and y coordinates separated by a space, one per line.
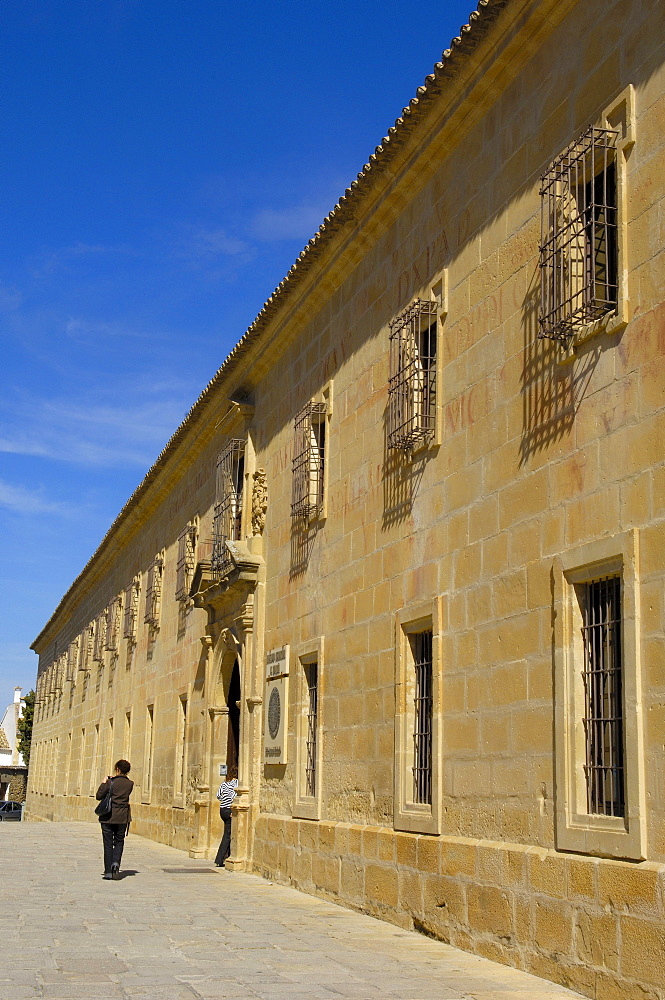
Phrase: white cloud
pixel 119 434
pixel 64 256
pixel 206 245
pixel 297 222
pixel 22 501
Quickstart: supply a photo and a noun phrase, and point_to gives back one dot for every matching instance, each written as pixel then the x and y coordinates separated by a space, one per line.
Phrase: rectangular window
pixel 418 718
pixel 181 749
pixel 186 561
pixel 95 777
pixel 127 737
pixel 229 490
pixel 308 730
pixel 579 230
pixel 148 750
pixel 113 624
pixel 130 617
pixel 421 651
pixel 100 638
pixel 312 681
pixel 68 768
pixel 72 660
pixel 413 376
pixel 110 737
pixel 603 720
pixel 599 745
pixel 309 457
pixel 153 596
pixel 82 752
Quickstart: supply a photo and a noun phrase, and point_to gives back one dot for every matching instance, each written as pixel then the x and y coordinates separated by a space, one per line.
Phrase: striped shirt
pixel 227 793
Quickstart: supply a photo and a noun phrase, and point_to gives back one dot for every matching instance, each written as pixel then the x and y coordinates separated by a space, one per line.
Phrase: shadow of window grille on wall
pixel 412 383
pixel 578 247
pixel 309 449
pixel 603 683
pixel 227 522
pixel 186 561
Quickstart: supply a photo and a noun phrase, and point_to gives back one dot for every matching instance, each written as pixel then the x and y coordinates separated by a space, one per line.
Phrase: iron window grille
pixel 130 617
pixel 578 249
pixel 87 642
pixel 113 624
pixel 421 647
pixel 186 561
pixel 312 680
pixel 72 659
pixel 100 638
pixel 153 596
pixel 229 489
pixel 603 693
pixel 59 673
pixel 309 456
pixel 412 384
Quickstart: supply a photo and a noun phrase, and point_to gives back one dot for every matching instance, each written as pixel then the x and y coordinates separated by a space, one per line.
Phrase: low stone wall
pixel 594 925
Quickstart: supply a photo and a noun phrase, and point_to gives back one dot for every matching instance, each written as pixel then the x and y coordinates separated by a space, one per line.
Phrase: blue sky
pixel 164 161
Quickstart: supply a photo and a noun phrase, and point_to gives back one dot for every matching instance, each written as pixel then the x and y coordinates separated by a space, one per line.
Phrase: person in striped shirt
pixel 226 795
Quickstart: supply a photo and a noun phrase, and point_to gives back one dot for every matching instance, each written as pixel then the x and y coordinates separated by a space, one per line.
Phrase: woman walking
pixel 226 795
pixel 116 823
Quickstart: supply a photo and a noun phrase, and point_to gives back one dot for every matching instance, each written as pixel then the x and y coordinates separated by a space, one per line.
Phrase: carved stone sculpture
pixel 259 502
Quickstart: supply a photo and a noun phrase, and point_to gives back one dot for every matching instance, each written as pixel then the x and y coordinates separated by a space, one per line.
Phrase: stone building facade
pixel 403 560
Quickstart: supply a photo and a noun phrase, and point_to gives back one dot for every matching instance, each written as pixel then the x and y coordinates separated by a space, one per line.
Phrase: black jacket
pixel 122 789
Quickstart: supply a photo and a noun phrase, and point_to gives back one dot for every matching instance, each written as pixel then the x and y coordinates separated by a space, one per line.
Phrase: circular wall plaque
pixel 274 713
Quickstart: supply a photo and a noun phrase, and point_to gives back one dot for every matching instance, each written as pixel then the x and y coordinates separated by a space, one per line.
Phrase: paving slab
pixel 213 935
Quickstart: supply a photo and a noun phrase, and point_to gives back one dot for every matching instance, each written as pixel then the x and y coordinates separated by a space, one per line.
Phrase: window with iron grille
pixel 113 624
pixel 100 638
pixel 227 523
pixel 421 650
pixel 312 706
pixel 153 596
pixel 309 456
pixel 86 647
pixel 72 659
pixel 603 693
pixel 59 673
pixel 412 384
pixel 186 561
pixel 578 249
pixel 131 610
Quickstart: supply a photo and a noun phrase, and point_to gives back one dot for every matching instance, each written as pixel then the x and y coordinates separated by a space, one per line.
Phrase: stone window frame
pixel 148 753
pixel 410 816
pixel 435 291
pixel 576 829
pixel 93 737
pixel 181 748
pixel 619 115
pixel 308 806
pixel 317 512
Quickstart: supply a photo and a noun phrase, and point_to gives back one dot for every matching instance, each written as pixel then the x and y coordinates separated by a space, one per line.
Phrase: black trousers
pixel 225 846
pixel 113 835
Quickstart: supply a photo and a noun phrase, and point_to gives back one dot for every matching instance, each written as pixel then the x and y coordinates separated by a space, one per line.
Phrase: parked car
pixel 10 811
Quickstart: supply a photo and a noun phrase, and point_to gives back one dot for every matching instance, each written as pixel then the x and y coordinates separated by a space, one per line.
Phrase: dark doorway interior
pixel 232 701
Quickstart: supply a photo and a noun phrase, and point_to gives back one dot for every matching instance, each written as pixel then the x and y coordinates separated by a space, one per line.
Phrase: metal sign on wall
pixel 275 731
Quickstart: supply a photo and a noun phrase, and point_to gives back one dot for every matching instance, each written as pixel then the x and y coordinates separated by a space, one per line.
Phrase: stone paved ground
pixel 65 934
